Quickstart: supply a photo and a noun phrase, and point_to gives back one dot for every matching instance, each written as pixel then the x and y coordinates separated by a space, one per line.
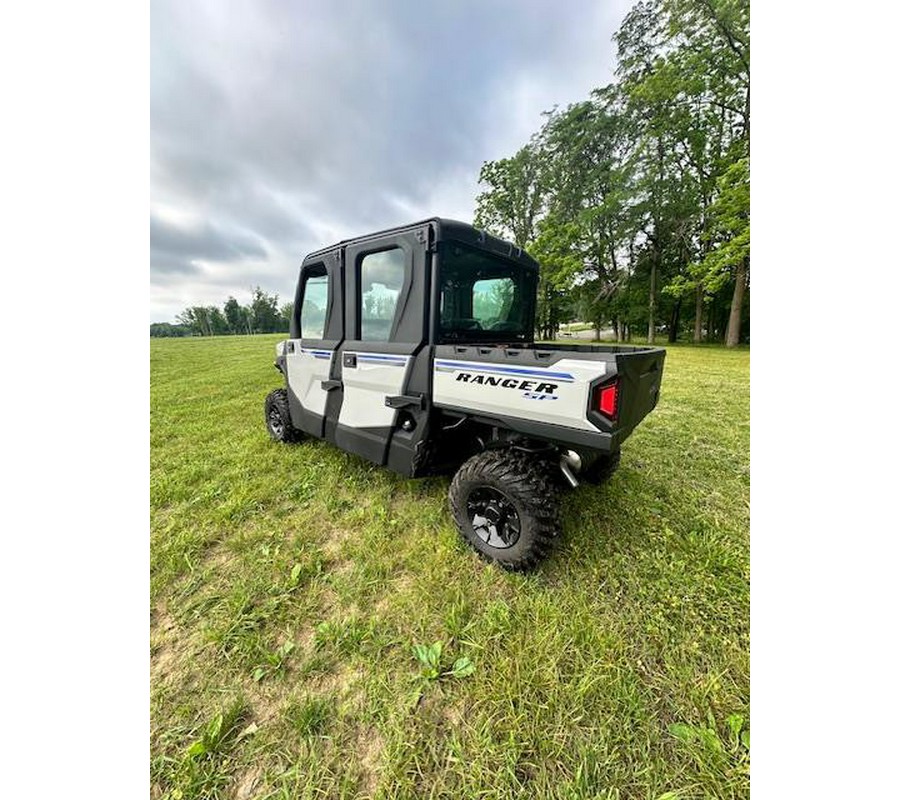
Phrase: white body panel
pixel 376 376
pixel 306 369
pixel 520 391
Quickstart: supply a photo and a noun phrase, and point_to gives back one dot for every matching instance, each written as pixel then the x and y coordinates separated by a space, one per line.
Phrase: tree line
pixel 636 201
pixel 262 315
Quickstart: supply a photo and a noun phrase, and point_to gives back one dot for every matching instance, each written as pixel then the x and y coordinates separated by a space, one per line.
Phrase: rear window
pixel 485 298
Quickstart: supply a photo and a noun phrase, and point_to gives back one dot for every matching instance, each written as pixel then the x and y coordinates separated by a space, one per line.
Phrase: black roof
pixel 443 229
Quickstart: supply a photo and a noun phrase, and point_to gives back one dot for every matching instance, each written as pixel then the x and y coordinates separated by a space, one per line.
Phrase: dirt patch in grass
pixel 398 586
pixel 342 682
pixel 217 557
pixel 268 698
pixel 454 714
pixel 245 785
pixel 170 648
pixel 369 747
pixel 304 638
pixel 162 663
pixel 334 543
pixel 265 700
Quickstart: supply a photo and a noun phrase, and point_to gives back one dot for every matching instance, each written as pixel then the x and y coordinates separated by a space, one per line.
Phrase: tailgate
pixel 640 374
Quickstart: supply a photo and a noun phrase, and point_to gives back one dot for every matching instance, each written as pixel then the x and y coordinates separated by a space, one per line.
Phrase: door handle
pixel 405 401
pixel 330 385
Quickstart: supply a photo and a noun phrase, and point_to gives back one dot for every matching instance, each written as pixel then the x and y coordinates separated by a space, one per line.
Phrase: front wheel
pixel 506 506
pixel 278 418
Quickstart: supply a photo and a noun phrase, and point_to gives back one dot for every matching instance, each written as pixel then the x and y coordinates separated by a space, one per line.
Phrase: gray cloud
pixel 282 126
pixel 174 248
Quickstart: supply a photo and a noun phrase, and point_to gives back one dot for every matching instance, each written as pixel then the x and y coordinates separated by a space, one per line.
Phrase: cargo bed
pixel 551 391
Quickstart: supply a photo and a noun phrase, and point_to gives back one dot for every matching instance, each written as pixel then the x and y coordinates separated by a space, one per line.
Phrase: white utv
pixel 414 348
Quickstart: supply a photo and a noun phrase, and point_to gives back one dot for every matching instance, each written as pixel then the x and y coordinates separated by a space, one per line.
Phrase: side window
pixel 380 279
pixel 315 304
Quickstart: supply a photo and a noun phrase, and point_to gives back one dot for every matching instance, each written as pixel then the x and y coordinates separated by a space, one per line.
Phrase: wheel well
pixel 457 437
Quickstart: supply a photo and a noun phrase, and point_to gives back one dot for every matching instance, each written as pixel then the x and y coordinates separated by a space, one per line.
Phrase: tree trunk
pixel 615 324
pixel 651 325
pixel 673 322
pixel 737 301
pixel 698 316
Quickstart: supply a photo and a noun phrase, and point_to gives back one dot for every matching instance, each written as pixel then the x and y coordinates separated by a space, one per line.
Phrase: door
pixel 386 287
pixel 316 333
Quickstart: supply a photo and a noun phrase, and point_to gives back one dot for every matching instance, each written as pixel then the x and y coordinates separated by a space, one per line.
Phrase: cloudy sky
pixel 281 126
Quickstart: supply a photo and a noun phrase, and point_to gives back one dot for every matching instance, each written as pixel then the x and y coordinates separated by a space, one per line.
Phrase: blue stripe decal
pixel 453 366
pixel 391 361
pixel 317 353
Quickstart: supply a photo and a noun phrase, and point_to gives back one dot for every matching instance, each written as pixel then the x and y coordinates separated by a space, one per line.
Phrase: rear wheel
pixel 278 418
pixel 506 506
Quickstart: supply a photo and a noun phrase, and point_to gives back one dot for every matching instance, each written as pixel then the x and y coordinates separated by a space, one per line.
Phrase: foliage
pixel 264 314
pixel 287 314
pixel 730 213
pixel 237 316
pixel 638 197
pixel 516 194
pixel 202 768
pixel 167 329
pixel 261 315
pixel 429 657
pixel 710 750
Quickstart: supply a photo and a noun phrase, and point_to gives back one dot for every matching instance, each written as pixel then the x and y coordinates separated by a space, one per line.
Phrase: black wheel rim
pixel 493 517
pixel 276 423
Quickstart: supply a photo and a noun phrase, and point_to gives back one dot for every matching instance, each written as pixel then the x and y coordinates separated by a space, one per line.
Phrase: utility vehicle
pixel 414 348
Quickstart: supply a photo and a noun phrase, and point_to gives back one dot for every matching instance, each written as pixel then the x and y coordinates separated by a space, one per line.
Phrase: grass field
pixel 290 585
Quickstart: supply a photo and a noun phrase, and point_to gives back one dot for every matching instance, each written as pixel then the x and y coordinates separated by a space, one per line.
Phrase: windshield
pixel 485 298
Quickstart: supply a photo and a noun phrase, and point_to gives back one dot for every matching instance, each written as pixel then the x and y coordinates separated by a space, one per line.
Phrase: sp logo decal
pixel 538 396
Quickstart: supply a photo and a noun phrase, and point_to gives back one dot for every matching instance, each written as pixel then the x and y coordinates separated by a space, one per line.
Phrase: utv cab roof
pixel 442 229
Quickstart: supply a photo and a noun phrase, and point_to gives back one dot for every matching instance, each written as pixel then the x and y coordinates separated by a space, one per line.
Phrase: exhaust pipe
pixel 568 461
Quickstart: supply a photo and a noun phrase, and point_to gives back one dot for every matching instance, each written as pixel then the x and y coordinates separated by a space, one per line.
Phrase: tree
pixel 731 256
pixel 587 227
pixel 261 316
pixel 511 206
pixel 264 314
pixel 684 67
pixel 287 314
pixel 166 329
pixel 204 320
pixel 186 319
pixel 511 203
pixel 217 323
pixel 197 319
pixel 233 316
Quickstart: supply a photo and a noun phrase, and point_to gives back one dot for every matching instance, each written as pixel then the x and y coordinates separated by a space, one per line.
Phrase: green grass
pixel 289 586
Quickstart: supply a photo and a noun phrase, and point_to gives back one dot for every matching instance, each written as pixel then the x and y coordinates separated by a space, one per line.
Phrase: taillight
pixel 607 400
